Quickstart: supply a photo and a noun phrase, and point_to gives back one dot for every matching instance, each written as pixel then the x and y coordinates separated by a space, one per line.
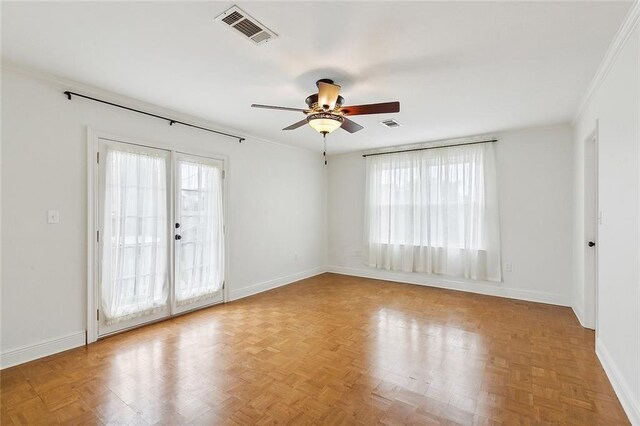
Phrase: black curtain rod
pixel 429 147
pixel 170 120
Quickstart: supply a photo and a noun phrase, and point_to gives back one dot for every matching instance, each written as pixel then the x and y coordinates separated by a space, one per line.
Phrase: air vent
pixel 232 18
pixel 246 26
pixel 390 123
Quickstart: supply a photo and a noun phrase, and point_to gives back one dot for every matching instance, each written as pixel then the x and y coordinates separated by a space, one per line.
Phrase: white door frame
pixel 93 138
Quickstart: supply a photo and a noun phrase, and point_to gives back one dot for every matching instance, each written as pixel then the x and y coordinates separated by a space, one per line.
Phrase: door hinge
pixel 98 236
pixel 223 284
pixel 223 174
pixel 98 157
pixel 98 315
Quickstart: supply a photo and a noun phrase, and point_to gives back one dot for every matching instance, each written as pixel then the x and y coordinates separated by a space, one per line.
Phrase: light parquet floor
pixel 329 350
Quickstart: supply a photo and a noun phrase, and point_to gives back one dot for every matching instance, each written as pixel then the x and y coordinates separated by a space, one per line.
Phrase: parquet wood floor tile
pixel 329 350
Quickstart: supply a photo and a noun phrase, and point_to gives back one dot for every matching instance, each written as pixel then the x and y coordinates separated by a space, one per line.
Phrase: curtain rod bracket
pixel 170 120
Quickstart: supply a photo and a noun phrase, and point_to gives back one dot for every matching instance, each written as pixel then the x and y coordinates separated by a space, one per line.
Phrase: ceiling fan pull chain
pixel 324 137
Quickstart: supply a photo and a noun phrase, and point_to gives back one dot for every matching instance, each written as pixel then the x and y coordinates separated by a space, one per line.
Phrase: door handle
pixel 591 244
pixel 178 237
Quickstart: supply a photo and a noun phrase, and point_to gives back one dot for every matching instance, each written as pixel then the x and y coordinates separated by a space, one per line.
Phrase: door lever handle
pixel 591 244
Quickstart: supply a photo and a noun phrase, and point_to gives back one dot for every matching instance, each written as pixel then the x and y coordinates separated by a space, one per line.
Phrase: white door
pixel 160 234
pixel 199 232
pixel 590 232
pixel 134 228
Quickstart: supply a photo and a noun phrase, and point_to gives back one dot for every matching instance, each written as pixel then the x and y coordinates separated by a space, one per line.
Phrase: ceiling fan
pixel 325 112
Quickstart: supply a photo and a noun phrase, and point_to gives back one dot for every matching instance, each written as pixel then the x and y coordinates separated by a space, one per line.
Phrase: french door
pixel 160 234
pixel 199 232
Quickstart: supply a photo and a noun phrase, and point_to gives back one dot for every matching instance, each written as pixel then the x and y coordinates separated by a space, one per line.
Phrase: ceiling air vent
pixel 246 25
pixel 392 124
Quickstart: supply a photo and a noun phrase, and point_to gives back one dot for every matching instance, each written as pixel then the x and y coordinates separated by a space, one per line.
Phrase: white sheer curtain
pixel 134 248
pixel 434 211
pixel 201 261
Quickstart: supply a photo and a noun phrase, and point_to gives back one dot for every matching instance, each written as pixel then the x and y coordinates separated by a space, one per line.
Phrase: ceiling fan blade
pixel 351 126
pixel 328 94
pixel 278 108
pixel 382 108
pixel 296 125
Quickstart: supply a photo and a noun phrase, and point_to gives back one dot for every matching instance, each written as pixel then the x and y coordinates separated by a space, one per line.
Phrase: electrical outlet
pixel 507 267
pixel 53 216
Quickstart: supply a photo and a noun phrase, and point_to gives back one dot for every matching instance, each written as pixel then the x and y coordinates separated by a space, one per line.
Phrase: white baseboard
pixel 274 283
pixel 53 346
pixel 578 313
pixel 478 287
pixel 620 386
pixel 39 350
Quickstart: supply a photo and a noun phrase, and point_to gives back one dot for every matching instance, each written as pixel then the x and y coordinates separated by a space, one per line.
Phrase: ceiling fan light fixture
pixel 325 123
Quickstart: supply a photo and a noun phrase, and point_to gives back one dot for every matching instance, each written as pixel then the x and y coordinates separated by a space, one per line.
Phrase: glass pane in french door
pixel 200 241
pixel 134 273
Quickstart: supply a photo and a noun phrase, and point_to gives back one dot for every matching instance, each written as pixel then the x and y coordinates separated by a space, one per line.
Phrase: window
pixel 434 211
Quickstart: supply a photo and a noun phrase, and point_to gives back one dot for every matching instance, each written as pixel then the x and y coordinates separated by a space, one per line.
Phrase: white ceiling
pixel 457 68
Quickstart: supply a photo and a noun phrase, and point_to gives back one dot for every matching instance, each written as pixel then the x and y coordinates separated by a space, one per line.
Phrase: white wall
pixel 535 183
pixel 276 208
pixel 615 105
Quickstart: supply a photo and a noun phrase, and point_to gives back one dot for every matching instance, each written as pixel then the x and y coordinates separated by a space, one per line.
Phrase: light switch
pixel 507 266
pixel 53 216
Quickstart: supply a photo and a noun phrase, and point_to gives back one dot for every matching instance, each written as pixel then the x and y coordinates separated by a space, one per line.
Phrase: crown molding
pixel 624 32
pixel 64 83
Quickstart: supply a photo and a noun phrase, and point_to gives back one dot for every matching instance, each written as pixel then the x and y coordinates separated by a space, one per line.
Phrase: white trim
pixel 478 287
pixel 236 294
pixel 39 350
pixel 92 244
pixel 1 239
pixel 578 313
pixel 626 28
pixel 620 386
pixel 596 272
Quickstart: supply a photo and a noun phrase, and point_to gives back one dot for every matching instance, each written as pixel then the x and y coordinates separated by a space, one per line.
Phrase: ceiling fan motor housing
pixel 313 100
pixel 325 116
